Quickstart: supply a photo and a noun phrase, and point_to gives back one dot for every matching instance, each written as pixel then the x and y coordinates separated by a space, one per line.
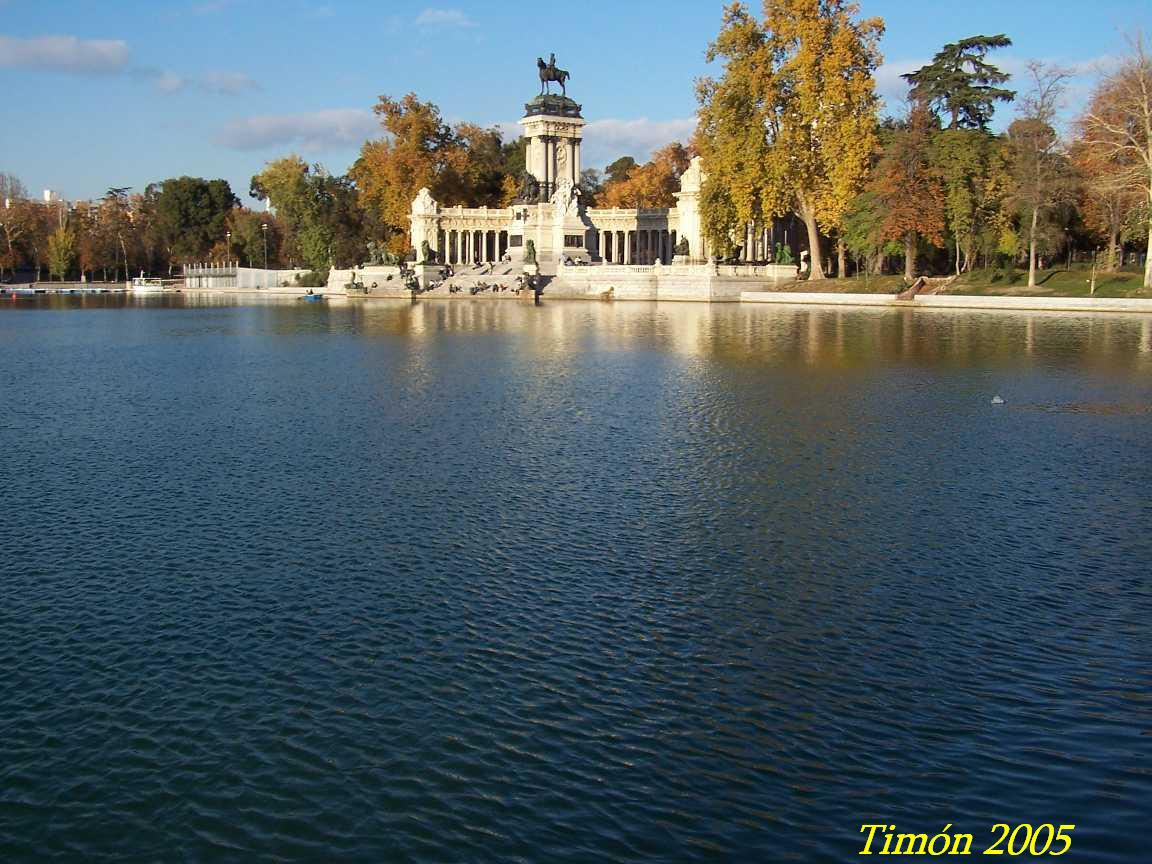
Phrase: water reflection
pixel 820 337
pixel 480 580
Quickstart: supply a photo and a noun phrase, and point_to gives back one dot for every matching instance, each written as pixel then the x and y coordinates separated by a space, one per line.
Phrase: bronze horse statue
pixel 549 72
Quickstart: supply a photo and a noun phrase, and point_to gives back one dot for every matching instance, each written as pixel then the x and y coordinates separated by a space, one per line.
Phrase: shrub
pixel 312 279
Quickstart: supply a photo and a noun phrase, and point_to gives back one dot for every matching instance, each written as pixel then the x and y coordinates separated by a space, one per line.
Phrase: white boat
pixel 146 285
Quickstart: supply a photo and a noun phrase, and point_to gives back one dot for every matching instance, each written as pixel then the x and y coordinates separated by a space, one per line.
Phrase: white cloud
pixel 607 140
pixel 65 54
pixel 170 82
pixel 227 83
pixel 1082 75
pixel 892 89
pixel 444 18
pixel 312 132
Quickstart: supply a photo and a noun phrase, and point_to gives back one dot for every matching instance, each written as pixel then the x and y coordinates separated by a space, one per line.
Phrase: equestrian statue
pixel 549 72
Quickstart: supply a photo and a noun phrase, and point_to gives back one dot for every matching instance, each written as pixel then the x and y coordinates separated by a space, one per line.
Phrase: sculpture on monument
pixel 529 190
pixel 376 253
pixel 549 72
pixel 566 198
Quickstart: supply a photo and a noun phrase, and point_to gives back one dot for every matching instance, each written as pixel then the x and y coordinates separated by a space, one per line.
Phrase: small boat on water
pixel 147 285
pixel 312 298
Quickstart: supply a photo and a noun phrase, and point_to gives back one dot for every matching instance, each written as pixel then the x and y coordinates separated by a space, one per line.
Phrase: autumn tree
pixel 1117 130
pixel 115 221
pixel 420 150
pixel 909 189
pixel 35 223
pixel 959 84
pixel 1040 171
pixel 1105 196
pixel 150 243
pixel 12 227
pixel 652 184
pixel 790 124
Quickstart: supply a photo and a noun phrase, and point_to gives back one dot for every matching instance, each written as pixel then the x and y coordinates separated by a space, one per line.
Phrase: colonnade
pixel 758 243
pixel 472 246
pixel 643 246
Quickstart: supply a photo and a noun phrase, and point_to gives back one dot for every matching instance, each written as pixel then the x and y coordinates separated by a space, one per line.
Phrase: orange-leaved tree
pixel 652 184
pixel 908 187
pixel 1117 130
pixel 418 150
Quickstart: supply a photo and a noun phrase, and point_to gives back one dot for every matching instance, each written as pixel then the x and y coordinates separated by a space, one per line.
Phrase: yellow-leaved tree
pixel 420 149
pixel 790 124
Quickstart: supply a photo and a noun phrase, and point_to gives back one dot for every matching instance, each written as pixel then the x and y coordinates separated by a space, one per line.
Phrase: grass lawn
pixel 1050 283
pixel 1003 283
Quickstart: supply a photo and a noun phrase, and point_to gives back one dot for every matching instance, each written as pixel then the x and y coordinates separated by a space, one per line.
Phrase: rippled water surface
pixel 488 581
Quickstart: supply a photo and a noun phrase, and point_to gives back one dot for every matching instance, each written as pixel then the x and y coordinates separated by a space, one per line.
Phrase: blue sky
pixel 100 93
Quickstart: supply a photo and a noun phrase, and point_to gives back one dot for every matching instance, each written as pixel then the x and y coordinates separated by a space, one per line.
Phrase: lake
pixel 481 580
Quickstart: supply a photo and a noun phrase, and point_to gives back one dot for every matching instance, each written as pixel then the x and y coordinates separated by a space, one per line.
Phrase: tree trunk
pixel 841 259
pixel 1032 249
pixel 815 261
pixel 1113 248
pixel 1148 258
pixel 910 256
pixel 957 255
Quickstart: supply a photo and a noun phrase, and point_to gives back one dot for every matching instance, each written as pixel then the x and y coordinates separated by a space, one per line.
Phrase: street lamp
pixel 228 238
pixel 264 231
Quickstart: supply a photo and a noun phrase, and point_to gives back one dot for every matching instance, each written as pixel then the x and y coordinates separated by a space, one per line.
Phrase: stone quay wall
pixel 953 301
pixel 708 283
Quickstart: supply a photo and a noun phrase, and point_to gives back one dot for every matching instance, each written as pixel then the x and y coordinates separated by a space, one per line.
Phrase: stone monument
pixel 549 211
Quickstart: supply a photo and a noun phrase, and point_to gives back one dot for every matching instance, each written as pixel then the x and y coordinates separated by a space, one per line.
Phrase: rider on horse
pixel 549 72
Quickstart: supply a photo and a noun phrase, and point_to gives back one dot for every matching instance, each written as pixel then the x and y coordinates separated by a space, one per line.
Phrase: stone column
pixel 549 160
pixel 628 247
